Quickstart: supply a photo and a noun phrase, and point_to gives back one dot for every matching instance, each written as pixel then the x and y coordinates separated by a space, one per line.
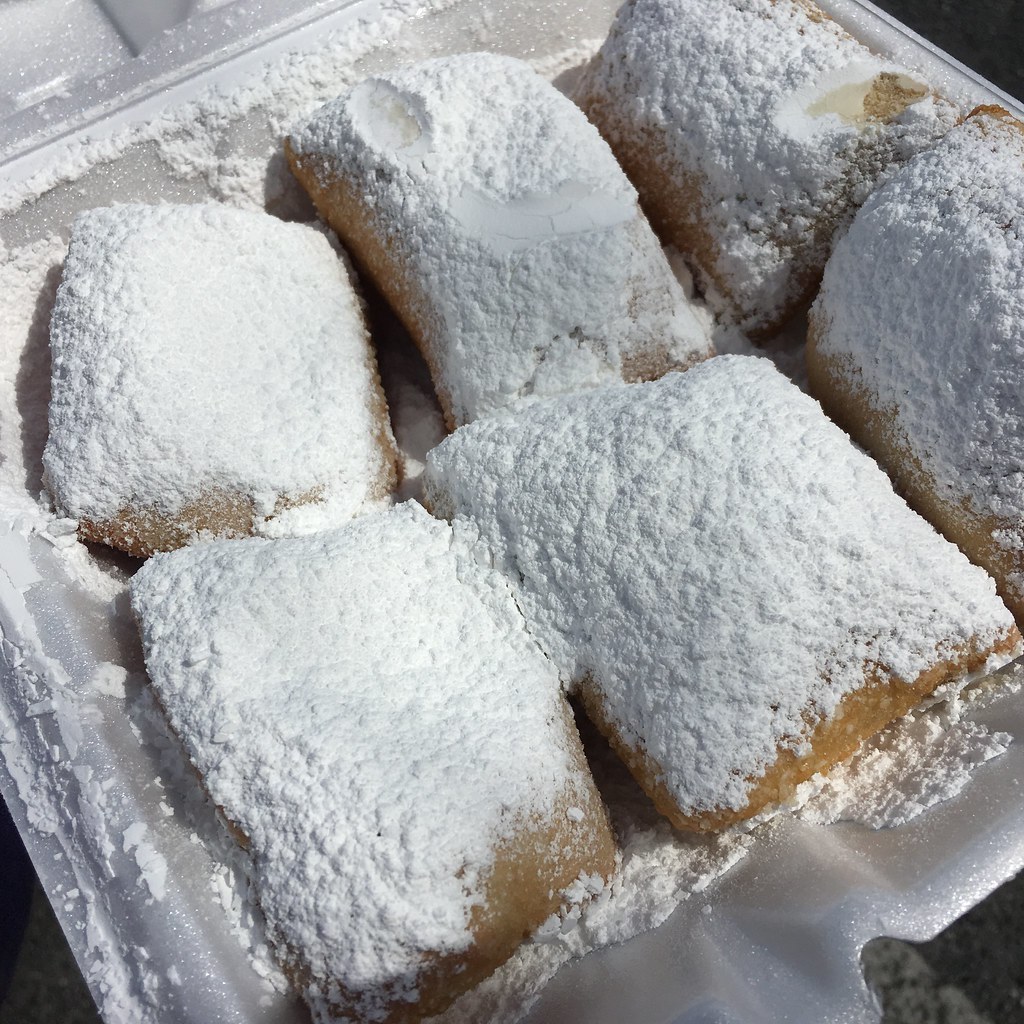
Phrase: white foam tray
pixel 125 858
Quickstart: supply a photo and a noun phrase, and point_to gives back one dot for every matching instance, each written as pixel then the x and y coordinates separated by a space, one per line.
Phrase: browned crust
pixel 881 700
pixel 890 95
pixel 377 252
pixel 546 855
pixel 850 404
pixel 530 872
pixel 656 362
pixel 142 531
pixel 996 113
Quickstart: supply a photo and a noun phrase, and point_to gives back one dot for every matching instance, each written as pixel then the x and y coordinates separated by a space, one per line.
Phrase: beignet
pixel 496 222
pixel 367 710
pixel 752 130
pixel 916 344
pixel 733 589
pixel 211 373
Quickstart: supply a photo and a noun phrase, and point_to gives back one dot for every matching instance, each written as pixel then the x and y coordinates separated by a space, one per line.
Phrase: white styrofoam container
pixel 123 841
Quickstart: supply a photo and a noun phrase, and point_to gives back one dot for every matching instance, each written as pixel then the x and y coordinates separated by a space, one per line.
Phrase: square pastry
pixel 370 715
pixel 492 216
pixel 752 130
pixel 916 341
pixel 212 373
pixel 733 589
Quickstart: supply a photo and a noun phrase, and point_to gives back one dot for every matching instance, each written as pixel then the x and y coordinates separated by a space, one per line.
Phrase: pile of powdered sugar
pixel 193 139
pixel 200 147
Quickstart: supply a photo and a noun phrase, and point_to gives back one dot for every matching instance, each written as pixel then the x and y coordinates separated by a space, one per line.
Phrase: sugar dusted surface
pixel 742 94
pixel 510 211
pixel 28 282
pixel 922 305
pixel 312 683
pixel 197 144
pixel 717 556
pixel 200 348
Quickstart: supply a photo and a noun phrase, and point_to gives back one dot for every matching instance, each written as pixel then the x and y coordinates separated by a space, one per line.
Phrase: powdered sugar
pixel 533 270
pixel 932 758
pixel 311 683
pixel 225 146
pixel 198 350
pixel 717 557
pixel 922 307
pixel 750 121
pixel 28 283
pixel 272 94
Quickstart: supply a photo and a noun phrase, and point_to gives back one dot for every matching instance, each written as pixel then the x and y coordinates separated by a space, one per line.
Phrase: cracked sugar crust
pixel 367 709
pixel 920 324
pixel 494 218
pixel 209 358
pixel 713 559
pixel 753 129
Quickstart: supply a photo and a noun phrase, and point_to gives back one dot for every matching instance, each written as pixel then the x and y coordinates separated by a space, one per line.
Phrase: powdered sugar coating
pixel 366 705
pixel 717 557
pixel 758 105
pixel 201 348
pixel 922 306
pixel 536 270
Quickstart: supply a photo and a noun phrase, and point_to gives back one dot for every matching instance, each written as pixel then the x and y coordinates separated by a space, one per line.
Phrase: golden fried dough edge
pixel 855 409
pixel 377 253
pixel 143 531
pixel 881 700
pixel 546 855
